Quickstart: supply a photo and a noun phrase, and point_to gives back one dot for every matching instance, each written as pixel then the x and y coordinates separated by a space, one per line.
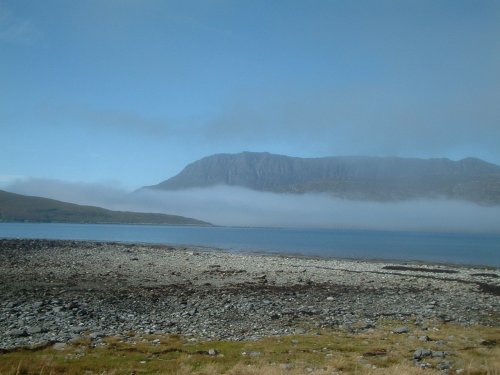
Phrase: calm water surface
pixel 459 248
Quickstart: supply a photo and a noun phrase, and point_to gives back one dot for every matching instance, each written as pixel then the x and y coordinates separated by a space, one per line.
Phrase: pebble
pixel 422 353
pixel 17 332
pixel 59 346
pixel 401 330
pixel 439 354
pixel 95 288
pixel 34 330
pixel 444 365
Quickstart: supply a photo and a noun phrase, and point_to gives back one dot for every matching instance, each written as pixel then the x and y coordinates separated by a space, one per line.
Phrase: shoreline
pixel 262 252
pixel 469 249
pixel 62 290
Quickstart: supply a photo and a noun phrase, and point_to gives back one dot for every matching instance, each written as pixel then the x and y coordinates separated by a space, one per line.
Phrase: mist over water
pixel 236 206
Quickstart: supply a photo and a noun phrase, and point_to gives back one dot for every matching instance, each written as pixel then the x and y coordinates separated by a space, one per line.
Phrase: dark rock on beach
pixel 59 291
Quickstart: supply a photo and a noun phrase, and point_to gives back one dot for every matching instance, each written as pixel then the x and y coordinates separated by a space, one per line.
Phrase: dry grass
pixel 376 351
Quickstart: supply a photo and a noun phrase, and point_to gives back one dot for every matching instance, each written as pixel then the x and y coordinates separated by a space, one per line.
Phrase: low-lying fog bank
pixel 236 206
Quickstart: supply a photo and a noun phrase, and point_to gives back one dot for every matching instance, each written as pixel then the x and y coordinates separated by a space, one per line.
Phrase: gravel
pixel 60 291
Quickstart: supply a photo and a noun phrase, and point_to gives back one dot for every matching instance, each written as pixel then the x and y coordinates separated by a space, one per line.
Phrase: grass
pixel 472 350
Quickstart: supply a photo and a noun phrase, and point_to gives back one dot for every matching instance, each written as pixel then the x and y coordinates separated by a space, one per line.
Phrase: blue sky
pixel 128 92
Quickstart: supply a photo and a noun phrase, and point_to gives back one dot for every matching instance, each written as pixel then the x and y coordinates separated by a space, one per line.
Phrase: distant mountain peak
pixel 349 177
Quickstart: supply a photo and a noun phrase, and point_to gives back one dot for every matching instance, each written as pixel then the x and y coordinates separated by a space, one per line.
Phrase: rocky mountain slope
pixel 353 177
pixel 22 208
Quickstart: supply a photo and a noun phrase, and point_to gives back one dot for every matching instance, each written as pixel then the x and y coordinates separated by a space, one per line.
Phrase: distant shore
pixel 57 291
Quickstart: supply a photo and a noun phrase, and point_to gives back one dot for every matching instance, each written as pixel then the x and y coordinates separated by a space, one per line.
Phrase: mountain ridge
pixel 25 208
pixel 349 177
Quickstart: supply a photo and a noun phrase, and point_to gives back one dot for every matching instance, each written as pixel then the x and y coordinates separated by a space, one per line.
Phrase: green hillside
pixel 22 208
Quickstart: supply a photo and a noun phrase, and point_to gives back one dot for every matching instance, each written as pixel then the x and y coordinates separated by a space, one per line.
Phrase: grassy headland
pixel 22 208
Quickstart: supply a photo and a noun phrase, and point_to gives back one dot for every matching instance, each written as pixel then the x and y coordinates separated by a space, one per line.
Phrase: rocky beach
pixel 60 291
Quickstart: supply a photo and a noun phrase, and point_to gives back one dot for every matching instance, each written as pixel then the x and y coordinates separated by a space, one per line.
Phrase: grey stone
pixel 439 354
pixel 77 329
pixel 75 339
pixel 444 365
pixel 59 346
pixel 423 364
pixel 34 330
pixel 96 335
pixel 401 330
pixel 422 353
pixel 17 332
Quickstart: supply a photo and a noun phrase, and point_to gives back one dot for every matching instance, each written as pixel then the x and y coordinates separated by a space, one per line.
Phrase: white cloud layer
pixel 234 206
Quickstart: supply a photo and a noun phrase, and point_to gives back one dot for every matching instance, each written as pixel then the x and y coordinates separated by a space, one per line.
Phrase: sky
pixel 125 93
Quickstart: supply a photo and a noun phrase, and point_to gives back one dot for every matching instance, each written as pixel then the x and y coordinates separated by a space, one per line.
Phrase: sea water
pixel 456 248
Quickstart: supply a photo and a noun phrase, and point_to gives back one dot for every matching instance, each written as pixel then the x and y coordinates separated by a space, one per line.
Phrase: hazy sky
pixel 129 91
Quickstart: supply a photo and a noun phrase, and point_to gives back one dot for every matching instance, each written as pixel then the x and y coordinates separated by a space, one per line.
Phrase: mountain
pixel 22 208
pixel 350 177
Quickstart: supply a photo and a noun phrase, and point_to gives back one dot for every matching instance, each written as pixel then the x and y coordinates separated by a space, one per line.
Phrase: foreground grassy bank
pixel 455 349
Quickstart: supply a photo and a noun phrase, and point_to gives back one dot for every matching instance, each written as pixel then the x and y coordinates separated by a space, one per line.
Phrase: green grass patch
pixel 472 350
